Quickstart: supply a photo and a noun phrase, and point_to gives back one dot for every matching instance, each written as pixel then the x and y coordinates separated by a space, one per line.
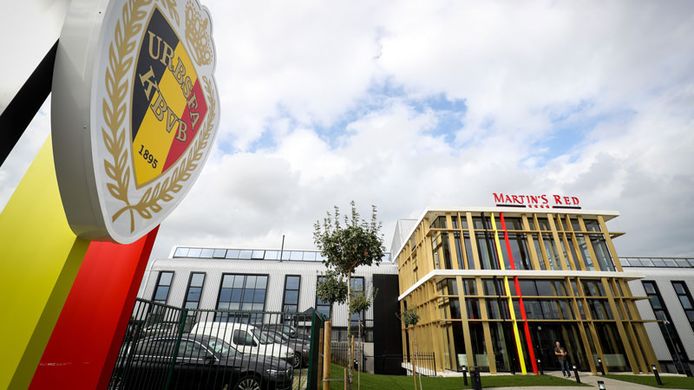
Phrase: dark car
pixel 202 362
pixel 300 346
pixel 288 330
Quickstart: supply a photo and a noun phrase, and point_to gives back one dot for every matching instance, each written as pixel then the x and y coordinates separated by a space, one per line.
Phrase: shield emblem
pixel 168 103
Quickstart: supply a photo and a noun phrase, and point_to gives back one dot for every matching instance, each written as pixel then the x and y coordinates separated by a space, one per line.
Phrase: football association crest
pixel 151 115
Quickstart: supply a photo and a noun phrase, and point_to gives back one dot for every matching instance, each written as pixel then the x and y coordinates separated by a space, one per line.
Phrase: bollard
pixel 657 376
pixel 539 365
pixel 476 379
pixel 600 367
pixel 578 378
pixel 465 375
pixel 601 385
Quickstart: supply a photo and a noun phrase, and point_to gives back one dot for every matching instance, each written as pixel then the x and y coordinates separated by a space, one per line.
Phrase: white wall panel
pixel 663 278
pixel 276 271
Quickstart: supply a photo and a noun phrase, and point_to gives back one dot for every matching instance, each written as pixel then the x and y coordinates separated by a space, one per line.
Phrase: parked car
pixel 300 346
pixel 246 338
pixel 202 362
pixel 160 328
pixel 288 330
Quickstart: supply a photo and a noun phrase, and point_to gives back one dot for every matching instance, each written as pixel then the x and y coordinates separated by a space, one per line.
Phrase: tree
pixel 333 289
pixel 411 318
pixel 360 303
pixel 345 247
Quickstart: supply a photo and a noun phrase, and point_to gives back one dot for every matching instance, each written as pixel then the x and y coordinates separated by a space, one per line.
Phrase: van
pixel 246 338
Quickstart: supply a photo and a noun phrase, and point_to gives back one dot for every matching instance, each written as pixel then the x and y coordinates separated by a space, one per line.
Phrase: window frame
pixel 243 289
pixel 687 293
pixel 202 288
pixel 284 292
pixel 158 285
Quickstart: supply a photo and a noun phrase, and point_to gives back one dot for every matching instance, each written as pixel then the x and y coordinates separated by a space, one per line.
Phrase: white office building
pixel 667 283
pixel 274 280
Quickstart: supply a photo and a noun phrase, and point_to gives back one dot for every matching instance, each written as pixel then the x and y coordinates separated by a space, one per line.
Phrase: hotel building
pixel 496 287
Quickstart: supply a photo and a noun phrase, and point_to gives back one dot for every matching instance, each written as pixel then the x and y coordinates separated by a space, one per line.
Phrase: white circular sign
pixel 134 112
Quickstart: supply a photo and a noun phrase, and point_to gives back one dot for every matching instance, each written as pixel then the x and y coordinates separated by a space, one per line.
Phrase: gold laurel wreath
pixel 114 110
pixel 197 34
pixel 170 6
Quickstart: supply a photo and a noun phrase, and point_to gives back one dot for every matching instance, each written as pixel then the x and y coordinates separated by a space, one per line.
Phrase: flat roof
pixel 517 210
pixel 197 252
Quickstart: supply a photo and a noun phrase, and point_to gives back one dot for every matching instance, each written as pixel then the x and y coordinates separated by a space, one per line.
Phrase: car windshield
pixel 220 347
pixel 289 330
pixel 282 336
pixel 264 337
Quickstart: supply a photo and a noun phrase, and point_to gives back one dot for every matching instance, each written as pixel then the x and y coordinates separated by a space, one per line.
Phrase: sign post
pixel 134 116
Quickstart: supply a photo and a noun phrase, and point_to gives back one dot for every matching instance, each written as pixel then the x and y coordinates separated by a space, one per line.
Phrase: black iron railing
pixel 172 348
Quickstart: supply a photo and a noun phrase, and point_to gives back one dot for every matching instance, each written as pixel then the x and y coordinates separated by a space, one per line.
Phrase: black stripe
pixel 26 103
pixel 159 26
pixel 511 205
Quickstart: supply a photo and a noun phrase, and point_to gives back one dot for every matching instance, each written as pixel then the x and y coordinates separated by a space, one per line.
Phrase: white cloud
pixel 318 101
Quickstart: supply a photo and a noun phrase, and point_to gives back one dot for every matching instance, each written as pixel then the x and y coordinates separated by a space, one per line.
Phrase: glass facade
pixel 672 338
pixel 194 291
pixel 322 306
pixel 505 320
pixel 252 254
pixel 685 298
pixel 242 292
pixel 290 299
pixel 161 291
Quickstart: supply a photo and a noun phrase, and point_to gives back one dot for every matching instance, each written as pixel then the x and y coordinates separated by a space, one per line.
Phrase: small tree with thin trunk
pixel 360 303
pixel 333 289
pixel 346 245
pixel 410 318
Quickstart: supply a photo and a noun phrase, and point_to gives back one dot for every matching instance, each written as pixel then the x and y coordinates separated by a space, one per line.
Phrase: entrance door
pixel 546 334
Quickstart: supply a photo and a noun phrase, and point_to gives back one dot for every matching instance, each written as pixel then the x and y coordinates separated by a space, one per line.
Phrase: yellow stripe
pixel 516 332
pixel 152 135
pixel 40 259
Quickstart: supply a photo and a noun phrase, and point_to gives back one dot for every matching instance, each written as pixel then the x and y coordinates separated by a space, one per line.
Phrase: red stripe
pixel 86 338
pixel 179 147
pixel 524 317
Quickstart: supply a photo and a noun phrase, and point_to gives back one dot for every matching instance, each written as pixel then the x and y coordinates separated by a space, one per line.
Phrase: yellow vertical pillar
pixel 516 332
pixel 40 259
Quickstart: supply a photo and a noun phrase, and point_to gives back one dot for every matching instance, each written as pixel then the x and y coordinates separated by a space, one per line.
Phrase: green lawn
pixel 395 382
pixel 669 382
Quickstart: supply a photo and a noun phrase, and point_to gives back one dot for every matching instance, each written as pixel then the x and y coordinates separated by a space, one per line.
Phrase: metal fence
pixel 172 348
pixel 340 354
pixel 425 362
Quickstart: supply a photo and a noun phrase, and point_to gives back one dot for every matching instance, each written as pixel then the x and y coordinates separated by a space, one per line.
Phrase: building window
pixel 602 253
pixel 685 298
pixel 161 291
pixel 181 252
pixel 322 306
pixel 290 301
pixel 242 292
pixel 672 338
pixel 357 287
pixel 195 283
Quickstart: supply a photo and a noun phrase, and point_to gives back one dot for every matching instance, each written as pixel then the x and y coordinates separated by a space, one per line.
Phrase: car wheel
pixel 296 360
pixel 248 383
pixel 116 383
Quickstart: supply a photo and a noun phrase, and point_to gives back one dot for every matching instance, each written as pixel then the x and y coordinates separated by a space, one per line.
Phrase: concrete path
pixel 588 379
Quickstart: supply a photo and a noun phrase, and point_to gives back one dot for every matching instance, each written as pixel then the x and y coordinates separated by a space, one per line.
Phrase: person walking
pixel 561 354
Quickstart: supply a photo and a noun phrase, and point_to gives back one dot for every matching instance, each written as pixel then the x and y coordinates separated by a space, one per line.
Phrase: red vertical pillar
pixel 524 317
pixel 85 341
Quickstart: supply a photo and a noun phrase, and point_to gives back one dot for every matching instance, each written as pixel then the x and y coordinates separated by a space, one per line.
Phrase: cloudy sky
pixel 408 105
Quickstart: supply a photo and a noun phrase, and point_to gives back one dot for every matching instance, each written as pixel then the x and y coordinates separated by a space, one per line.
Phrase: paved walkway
pixel 589 379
